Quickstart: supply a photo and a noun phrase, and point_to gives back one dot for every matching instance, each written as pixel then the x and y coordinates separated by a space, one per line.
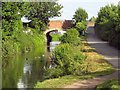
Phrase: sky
pixel 92 7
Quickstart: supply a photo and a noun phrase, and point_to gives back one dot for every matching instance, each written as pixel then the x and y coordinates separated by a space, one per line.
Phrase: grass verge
pixel 112 84
pixel 96 66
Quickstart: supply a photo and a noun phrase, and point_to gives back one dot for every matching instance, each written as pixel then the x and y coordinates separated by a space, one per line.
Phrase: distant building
pixel 119 3
pixel 25 21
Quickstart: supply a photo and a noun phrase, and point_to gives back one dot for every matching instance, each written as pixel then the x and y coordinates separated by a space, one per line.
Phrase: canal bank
pixel 93 66
pixel 24 70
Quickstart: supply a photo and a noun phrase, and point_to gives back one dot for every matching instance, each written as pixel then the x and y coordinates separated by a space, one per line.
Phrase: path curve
pixel 108 52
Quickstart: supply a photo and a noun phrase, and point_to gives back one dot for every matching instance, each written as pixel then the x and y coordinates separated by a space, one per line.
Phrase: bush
pixel 56 37
pixel 68 60
pixel 81 26
pixel 71 37
pixel 68 57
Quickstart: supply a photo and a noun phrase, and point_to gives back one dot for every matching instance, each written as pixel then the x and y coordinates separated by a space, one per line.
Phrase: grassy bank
pixel 112 84
pixel 70 79
pixel 94 66
pixel 55 37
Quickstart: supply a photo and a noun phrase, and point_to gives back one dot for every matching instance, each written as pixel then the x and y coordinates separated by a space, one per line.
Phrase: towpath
pixel 108 52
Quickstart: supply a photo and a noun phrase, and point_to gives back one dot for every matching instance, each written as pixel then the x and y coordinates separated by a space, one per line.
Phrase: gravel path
pixel 108 52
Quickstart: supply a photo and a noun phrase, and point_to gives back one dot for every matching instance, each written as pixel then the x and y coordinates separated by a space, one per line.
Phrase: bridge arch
pixel 53 29
pixel 59 26
pixel 47 33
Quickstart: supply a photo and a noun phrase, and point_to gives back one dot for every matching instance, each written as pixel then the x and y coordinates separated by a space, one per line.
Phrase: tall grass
pixel 22 42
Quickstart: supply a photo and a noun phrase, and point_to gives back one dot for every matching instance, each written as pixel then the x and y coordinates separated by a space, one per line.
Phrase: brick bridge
pixel 59 25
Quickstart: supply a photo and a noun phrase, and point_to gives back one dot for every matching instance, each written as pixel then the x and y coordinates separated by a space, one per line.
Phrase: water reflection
pixel 25 70
pixel 20 84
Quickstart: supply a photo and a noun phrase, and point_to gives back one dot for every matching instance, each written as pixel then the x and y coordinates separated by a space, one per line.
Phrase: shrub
pixel 71 37
pixel 68 60
pixel 80 26
pixel 56 37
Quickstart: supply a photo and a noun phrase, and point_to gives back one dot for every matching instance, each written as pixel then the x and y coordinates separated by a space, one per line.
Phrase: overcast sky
pixel 92 7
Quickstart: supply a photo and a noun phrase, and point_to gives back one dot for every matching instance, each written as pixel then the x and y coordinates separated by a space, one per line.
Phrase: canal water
pixel 25 70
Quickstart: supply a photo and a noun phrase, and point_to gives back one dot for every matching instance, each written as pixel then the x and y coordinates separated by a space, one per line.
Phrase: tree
pixel 10 17
pixel 80 15
pixel 42 11
pixel 92 19
pixel 80 26
pixel 107 25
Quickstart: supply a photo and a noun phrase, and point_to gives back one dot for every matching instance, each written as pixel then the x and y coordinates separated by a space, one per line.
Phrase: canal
pixel 26 69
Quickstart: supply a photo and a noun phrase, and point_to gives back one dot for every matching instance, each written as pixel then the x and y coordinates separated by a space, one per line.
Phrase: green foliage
pixel 92 19
pixel 81 26
pixel 71 59
pixel 107 25
pixel 56 37
pixel 70 79
pixel 41 12
pixel 71 37
pixel 68 60
pixel 14 36
pixel 80 15
pixel 10 17
pixel 12 27
pixel 112 84
pixel 22 42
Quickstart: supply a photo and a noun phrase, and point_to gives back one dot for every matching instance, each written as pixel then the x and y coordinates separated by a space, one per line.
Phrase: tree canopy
pixel 11 13
pixel 38 12
pixel 15 37
pixel 80 15
pixel 80 18
pixel 108 24
pixel 42 11
pixel 80 26
pixel 92 19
